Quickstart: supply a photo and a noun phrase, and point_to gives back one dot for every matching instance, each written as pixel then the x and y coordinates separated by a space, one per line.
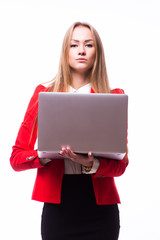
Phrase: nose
pixel 81 50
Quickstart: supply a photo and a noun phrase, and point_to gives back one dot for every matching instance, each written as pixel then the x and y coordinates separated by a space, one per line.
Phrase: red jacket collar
pixel 92 91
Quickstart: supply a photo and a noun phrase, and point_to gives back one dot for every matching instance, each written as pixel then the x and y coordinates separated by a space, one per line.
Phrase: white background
pixel 31 34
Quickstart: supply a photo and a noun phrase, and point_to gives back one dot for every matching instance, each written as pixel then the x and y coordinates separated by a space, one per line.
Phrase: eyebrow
pixel 88 40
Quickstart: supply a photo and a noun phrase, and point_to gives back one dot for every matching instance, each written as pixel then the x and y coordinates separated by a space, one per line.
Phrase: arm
pixel 111 168
pixel 23 155
pixel 106 167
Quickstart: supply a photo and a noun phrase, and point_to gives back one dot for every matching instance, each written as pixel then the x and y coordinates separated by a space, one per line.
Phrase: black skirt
pixel 78 217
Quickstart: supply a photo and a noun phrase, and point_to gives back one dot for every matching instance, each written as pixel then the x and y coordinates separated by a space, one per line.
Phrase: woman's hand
pixel 85 160
pixel 44 161
pixel 126 156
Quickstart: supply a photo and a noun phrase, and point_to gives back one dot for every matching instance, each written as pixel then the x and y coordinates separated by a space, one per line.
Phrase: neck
pixel 79 80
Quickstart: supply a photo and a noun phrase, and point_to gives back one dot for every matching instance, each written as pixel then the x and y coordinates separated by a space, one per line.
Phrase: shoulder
pixel 34 99
pixel 117 91
pixel 37 90
pixel 43 87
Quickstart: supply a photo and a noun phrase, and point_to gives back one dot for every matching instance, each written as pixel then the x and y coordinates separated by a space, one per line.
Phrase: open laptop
pixel 85 122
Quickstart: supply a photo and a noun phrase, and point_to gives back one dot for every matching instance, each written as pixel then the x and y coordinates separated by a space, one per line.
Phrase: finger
pixel 71 153
pixel 64 152
pixel 90 156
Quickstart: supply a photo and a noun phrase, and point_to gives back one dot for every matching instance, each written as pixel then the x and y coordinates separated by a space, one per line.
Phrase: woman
pixel 79 193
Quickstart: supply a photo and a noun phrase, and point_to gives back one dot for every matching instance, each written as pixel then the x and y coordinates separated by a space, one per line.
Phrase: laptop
pixel 85 122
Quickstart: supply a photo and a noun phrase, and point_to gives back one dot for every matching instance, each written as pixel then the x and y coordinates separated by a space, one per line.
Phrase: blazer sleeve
pixel 23 155
pixel 111 167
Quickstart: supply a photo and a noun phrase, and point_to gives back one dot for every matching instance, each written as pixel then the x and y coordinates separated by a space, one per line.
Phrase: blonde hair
pixel 98 77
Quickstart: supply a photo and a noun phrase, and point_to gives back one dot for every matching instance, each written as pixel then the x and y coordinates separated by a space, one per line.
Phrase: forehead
pixel 81 33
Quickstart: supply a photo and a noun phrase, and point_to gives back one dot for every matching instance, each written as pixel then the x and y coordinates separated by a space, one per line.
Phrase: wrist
pixel 86 169
pixel 93 169
pixel 44 161
pixel 88 164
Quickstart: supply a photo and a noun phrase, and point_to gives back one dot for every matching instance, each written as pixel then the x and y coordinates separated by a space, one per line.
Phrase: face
pixel 82 50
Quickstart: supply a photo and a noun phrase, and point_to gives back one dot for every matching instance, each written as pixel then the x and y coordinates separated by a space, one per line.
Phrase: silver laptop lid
pixel 85 122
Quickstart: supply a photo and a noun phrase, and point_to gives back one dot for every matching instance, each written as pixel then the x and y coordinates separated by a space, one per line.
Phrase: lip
pixel 81 59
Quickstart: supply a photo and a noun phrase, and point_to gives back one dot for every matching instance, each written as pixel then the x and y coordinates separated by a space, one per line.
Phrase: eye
pixel 73 45
pixel 89 45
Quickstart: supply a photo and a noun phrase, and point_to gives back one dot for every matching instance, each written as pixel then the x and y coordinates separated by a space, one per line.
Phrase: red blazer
pixel 47 187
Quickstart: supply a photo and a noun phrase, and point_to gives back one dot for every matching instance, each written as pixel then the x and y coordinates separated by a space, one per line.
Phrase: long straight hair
pixel 98 75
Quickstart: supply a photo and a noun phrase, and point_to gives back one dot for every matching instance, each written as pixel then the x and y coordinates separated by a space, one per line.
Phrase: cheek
pixel 71 54
pixel 70 57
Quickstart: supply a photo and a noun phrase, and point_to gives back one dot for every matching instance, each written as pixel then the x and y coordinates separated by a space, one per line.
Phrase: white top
pixel 71 167
pixel 85 89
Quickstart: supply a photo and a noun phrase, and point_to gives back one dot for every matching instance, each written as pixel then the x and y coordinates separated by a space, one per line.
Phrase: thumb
pixel 90 156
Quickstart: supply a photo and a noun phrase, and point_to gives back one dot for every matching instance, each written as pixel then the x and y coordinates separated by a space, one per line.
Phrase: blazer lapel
pixel 92 91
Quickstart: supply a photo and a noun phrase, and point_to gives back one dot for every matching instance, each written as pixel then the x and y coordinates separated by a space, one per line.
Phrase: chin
pixel 81 69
